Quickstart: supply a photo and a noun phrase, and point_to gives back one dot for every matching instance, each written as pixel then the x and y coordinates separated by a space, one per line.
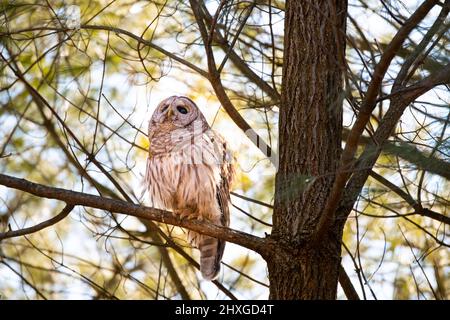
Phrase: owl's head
pixel 176 112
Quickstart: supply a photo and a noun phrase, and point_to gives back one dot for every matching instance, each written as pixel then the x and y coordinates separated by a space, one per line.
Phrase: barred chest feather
pixel 186 177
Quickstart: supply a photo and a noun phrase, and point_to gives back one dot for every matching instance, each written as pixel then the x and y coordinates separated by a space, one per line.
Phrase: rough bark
pixel 310 133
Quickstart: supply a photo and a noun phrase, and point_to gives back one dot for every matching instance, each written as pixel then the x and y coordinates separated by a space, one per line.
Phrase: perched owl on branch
pixel 189 171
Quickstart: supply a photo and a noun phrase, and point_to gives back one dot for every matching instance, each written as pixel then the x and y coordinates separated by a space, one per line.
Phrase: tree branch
pixel 411 154
pixel 416 55
pixel 17 233
pixel 73 198
pixel 216 83
pixel 372 151
pixel 237 60
pixel 367 106
pixel 418 209
pixel 347 285
pixel 381 68
pixel 116 31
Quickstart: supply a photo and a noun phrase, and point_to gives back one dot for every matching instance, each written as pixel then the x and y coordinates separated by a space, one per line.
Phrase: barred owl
pixel 189 171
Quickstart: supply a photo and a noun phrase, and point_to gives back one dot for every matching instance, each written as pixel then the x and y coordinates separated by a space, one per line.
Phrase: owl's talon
pixel 190 216
pixel 185 214
pixel 194 216
pixel 182 215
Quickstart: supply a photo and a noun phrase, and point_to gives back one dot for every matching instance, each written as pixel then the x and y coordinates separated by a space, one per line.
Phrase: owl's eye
pixel 164 108
pixel 182 109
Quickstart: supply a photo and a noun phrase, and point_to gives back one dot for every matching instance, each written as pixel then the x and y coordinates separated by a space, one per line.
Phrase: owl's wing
pixel 227 173
pixel 223 190
pixel 223 194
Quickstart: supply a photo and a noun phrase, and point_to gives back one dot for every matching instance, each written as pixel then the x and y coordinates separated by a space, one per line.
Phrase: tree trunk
pixel 310 135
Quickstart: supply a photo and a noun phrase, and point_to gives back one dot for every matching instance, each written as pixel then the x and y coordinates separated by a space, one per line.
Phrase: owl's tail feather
pixel 211 252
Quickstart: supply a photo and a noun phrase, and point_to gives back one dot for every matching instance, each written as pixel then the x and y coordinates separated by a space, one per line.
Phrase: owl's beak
pixel 169 113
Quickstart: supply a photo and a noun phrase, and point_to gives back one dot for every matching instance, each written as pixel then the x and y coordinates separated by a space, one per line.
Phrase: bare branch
pixel 411 154
pixel 236 59
pixel 372 151
pixel 257 244
pixel 17 233
pixel 364 114
pixel 214 79
pixel 405 196
pixel 347 285
pixel 116 31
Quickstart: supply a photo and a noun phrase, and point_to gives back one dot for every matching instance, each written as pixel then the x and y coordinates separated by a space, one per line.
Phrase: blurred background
pixel 79 81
